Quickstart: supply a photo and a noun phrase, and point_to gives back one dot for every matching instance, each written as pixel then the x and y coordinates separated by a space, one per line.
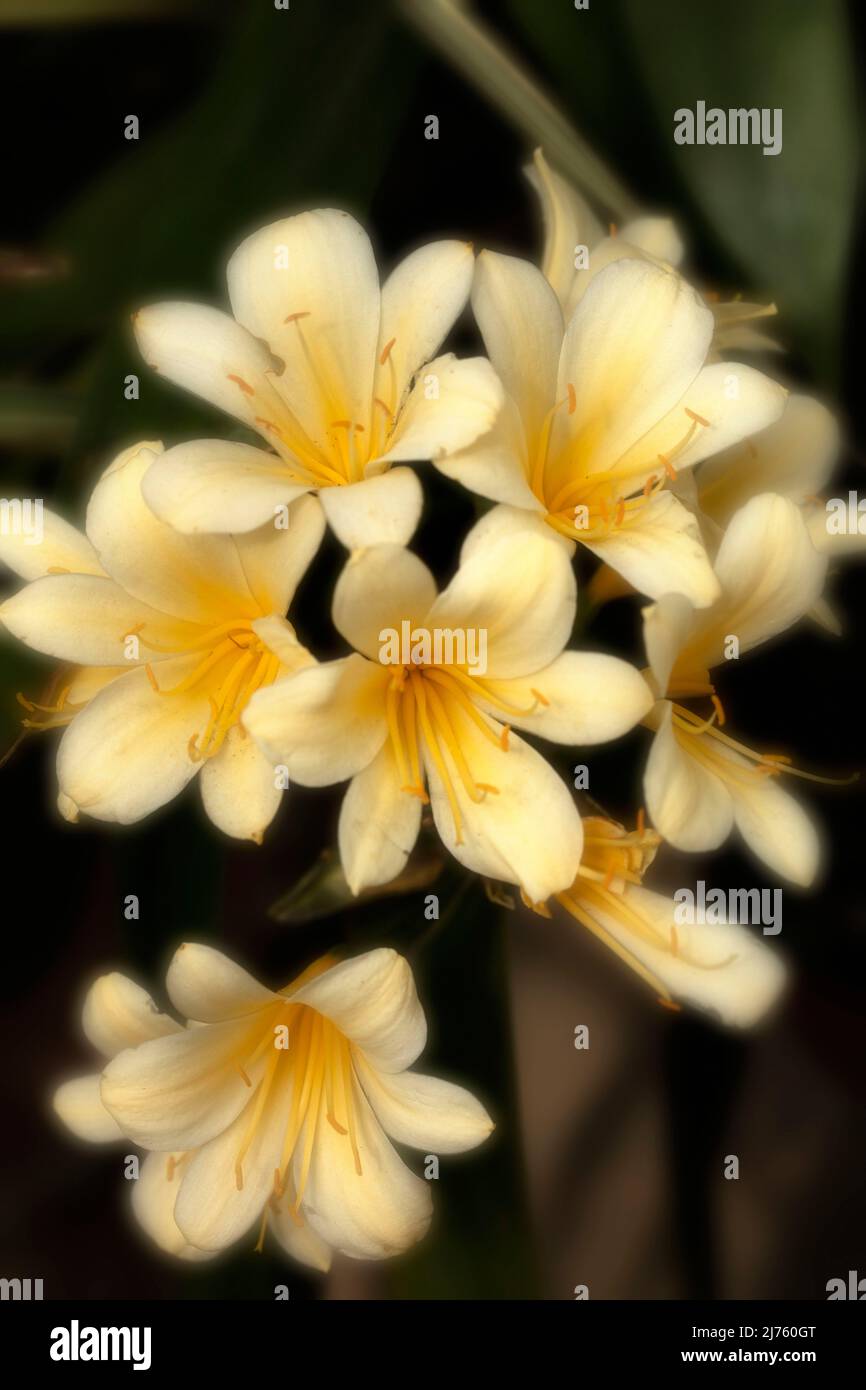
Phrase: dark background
pixel 606 1166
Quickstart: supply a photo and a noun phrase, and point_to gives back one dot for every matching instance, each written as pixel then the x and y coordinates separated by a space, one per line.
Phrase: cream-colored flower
pixel 699 781
pixel 166 637
pixel 273 1109
pixel 333 372
pixel 422 729
pixel 599 416
pixel 720 967
pixel 570 224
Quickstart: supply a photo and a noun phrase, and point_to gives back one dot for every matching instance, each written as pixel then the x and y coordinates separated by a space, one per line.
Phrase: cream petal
pixel 299 1240
pixel 127 753
pixel 240 791
pixel 49 545
pixel 516 583
pixel 324 724
pixel 211 1210
pixel 521 324
pixel 508 834
pixel 770 571
pixel 378 589
pixel 793 457
pixel 503 523
pixel 632 349
pixel 372 1000
pixel 497 466
pixel 732 401
pixel 198 578
pixel 421 299
pixel 153 1197
pixel 217 485
pixel 661 551
pixel 381 510
pixel 778 830
pixel 588 698
pixel 380 1213
pixel 118 1013
pixel 318 265
pixel 452 404
pixel 667 626
pixel 724 968
pixel 379 824
pixel 427 1113
pixel 275 558
pixel 88 620
pixel 282 640
pixel 180 1091
pixel 206 352
pixel 208 986
pixel 569 223
pixel 79 1105
pixel 689 806
pixel 655 236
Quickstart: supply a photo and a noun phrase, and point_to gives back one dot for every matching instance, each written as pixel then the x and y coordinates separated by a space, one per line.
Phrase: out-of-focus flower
pixel 699 781
pixel 167 637
pixel 273 1109
pixel 721 967
pixel 411 730
pixel 599 417
pixel 333 372
pixel 570 224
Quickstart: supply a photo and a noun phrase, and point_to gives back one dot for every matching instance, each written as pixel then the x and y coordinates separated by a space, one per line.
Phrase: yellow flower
pixel 167 637
pixel 419 728
pixel 700 781
pixel 273 1109
pixel 333 372
pixel 720 967
pixel 602 412
pixel 569 223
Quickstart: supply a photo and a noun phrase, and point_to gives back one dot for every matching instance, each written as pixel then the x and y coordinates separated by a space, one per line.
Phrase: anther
pixel 244 385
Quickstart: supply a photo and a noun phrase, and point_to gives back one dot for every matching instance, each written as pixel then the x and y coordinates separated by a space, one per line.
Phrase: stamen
pixel 244 385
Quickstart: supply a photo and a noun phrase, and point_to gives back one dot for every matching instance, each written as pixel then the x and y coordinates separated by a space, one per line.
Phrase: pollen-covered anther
pixel 244 385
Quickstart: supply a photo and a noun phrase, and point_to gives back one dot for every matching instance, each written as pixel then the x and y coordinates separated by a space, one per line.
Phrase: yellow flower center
pixel 427 708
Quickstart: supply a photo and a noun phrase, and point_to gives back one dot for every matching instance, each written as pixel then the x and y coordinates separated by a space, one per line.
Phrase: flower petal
pixel 655 236
pixel 309 286
pixel 379 824
pixel 497 465
pixel 421 299
pixel 299 1240
pixel 275 558
pixel 239 788
pixel 521 323
pixel 208 986
pixel 452 404
pixel 515 582
pixel 588 697
pixel 689 806
pixel 667 626
pixel 383 509
pixel 127 753
pixel 206 352
pixel 153 1197
pixel 427 1113
pixel 217 485
pixel 660 551
pixel 569 222
pixel 378 589
pixel 324 724
pixel 212 1210
pixel 723 968
pixel 632 348
pixel 373 1001
pixel 59 547
pixel 194 577
pixel 179 1092
pixel 778 830
pixel 379 1213
pixel 507 834
pixel 88 620
pixel 118 1013
pixel 79 1105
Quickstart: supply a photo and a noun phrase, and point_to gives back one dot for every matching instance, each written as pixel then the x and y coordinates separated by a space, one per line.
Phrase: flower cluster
pixel 605 418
